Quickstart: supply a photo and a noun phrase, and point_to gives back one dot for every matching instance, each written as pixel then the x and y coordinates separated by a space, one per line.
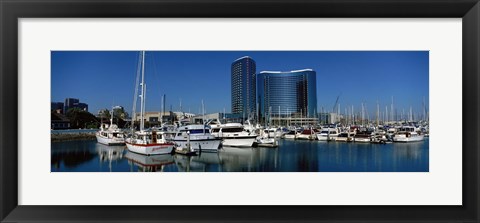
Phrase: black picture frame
pixel 11 11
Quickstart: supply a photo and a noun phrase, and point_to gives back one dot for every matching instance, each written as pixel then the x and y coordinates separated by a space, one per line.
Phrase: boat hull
pixel 343 139
pixel 306 137
pixel 211 145
pixel 287 136
pixel 277 134
pixel 150 149
pixel 110 141
pixel 239 142
pixel 326 137
pixel 409 139
pixel 362 140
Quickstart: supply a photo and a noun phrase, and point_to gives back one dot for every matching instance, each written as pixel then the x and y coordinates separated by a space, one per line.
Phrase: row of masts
pixel 349 117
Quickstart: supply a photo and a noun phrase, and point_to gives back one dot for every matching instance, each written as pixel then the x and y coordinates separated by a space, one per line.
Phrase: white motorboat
pixel 407 134
pixel 290 135
pixel 344 137
pixel 390 132
pixel 363 137
pixel 274 132
pixel 308 134
pixel 379 137
pixel 197 138
pixel 328 134
pixel 110 134
pixel 266 141
pixel 147 142
pixel 233 134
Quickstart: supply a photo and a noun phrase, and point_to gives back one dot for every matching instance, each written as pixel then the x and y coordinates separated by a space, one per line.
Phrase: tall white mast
pixel 111 118
pixel 353 117
pixel 391 111
pixel 203 117
pixel 386 114
pixel 142 96
pixel 161 113
pixel 135 95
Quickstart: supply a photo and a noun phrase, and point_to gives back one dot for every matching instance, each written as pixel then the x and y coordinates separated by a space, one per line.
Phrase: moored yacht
pixel 151 141
pixel 363 136
pixel 233 134
pixel 328 134
pixel 407 134
pixel 344 137
pixel 274 132
pixel 196 138
pixel 309 134
pixel 110 134
pixel 290 135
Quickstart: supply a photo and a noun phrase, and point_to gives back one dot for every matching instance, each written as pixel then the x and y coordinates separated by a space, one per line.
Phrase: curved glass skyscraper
pixel 284 94
pixel 244 87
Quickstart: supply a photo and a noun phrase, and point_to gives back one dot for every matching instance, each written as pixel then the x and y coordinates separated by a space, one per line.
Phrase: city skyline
pixel 103 79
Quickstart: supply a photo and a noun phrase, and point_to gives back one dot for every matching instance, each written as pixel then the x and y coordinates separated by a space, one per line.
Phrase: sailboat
pixel 146 141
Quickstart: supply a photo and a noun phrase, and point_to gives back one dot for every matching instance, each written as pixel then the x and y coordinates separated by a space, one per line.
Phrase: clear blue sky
pixel 105 78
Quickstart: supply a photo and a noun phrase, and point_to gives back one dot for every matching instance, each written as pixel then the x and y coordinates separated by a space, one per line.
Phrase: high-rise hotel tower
pixel 244 87
pixel 283 94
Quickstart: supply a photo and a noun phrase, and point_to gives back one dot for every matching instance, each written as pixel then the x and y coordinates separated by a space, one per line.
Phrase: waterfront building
pixel 287 96
pixel 154 118
pixel 222 117
pixel 243 87
pixel 330 118
pixel 59 121
pixel 74 103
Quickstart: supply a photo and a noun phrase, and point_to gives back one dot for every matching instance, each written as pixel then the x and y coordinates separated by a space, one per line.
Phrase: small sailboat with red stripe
pixel 146 141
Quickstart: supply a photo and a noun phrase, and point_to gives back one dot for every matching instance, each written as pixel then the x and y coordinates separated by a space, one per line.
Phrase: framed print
pixel 312 111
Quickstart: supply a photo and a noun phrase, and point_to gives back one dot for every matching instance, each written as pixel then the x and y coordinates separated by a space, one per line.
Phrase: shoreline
pixel 56 137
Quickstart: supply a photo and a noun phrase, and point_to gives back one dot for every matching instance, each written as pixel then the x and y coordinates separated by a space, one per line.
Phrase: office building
pixel 286 95
pixel 243 87
pixel 74 103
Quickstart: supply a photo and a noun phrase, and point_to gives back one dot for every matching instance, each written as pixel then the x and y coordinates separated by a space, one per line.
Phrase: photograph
pixel 311 111
pixel 239 111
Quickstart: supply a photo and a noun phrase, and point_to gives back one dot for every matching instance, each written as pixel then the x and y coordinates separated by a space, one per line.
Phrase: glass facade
pixel 286 94
pixel 244 87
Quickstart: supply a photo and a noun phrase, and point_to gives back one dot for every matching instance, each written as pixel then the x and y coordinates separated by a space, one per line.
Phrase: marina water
pixel 290 156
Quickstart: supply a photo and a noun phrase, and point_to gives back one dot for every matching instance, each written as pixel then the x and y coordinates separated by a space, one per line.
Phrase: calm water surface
pixel 290 156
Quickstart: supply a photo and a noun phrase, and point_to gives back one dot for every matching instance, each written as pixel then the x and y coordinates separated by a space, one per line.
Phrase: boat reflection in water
pixel 155 163
pixel 109 154
pixel 238 159
pixel 290 156
pixel 228 159
pixel 409 151
pixel 203 162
